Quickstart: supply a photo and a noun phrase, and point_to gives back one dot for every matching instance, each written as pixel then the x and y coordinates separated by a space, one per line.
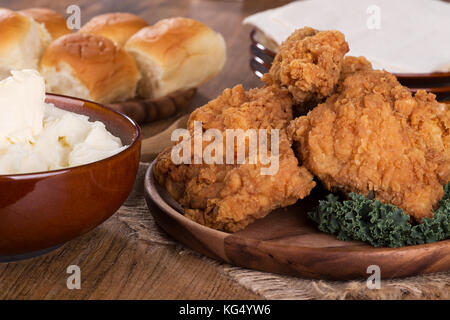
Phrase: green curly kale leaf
pixel 381 225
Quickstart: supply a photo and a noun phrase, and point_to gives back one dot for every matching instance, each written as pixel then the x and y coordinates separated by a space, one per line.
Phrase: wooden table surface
pixel 115 264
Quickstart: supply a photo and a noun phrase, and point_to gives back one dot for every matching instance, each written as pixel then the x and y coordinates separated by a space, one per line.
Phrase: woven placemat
pixel 272 286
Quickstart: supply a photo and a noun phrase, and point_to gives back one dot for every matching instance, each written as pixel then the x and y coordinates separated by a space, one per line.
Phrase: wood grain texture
pixel 287 242
pixel 116 265
pixel 114 262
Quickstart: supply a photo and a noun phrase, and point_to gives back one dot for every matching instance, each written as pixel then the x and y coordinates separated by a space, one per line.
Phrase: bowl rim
pixel 42 174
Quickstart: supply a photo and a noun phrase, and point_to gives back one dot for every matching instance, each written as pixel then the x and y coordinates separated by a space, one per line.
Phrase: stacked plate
pixel 437 83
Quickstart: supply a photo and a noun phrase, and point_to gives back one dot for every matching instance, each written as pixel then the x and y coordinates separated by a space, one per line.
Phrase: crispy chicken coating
pixel 230 196
pixel 373 137
pixel 352 65
pixel 308 64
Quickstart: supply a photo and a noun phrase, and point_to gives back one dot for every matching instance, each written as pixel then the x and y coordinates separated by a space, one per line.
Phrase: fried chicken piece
pixel 353 65
pixel 308 64
pixel 230 196
pixel 374 138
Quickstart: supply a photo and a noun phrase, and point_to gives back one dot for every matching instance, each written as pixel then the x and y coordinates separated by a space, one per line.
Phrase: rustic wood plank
pixel 115 264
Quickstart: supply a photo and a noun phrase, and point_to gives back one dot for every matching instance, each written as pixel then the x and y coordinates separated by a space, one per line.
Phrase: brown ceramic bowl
pixel 39 211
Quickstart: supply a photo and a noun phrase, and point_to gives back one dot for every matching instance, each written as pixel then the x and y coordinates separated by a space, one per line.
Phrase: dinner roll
pixel 22 42
pixel 118 27
pixel 91 67
pixel 176 54
pixel 54 22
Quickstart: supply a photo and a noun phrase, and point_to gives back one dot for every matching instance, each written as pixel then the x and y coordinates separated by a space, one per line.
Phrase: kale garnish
pixel 381 225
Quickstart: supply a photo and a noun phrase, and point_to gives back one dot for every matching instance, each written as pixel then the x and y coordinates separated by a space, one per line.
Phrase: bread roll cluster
pixel 118 27
pixel 22 42
pixel 175 54
pixel 114 57
pixel 53 22
pixel 91 67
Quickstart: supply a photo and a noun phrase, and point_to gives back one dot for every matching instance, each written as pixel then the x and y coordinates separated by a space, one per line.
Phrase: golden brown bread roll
pixel 91 67
pixel 118 26
pixel 54 22
pixel 22 42
pixel 176 54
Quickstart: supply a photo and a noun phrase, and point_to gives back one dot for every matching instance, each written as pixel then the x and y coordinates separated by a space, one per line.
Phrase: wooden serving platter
pixel 287 242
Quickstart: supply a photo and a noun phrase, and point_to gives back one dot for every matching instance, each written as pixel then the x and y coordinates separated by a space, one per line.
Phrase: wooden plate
pixel 287 242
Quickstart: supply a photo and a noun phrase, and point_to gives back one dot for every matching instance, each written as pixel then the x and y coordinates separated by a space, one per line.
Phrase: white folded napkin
pixel 403 36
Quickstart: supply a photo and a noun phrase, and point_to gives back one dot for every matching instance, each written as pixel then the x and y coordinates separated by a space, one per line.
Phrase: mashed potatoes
pixel 36 137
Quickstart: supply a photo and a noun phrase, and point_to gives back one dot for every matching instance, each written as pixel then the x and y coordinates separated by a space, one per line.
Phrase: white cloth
pixel 413 35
